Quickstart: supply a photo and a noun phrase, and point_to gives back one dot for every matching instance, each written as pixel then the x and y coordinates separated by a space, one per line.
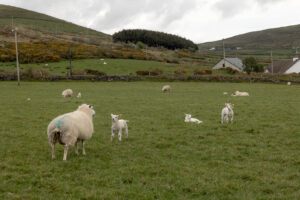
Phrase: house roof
pixel 236 62
pixel 279 67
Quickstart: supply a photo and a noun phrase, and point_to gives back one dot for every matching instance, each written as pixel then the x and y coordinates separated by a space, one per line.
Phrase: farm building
pixel 284 67
pixel 234 63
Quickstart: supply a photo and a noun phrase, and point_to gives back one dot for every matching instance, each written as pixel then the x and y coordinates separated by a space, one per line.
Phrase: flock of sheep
pixel 77 126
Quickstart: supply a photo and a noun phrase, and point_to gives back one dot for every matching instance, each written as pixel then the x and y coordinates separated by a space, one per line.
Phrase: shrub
pixel 180 71
pixel 142 72
pixel 156 72
pixel 231 70
pixel 202 71
pixel 94 72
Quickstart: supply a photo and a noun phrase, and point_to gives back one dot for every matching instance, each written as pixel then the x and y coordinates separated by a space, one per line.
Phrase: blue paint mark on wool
pixel 59 123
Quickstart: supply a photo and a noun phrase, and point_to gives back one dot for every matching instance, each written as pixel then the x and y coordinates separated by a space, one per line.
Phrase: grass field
pixel 256 157
pixel 113 66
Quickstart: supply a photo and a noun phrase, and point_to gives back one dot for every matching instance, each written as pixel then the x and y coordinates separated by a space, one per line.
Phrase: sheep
pixel 104 63
pixel 166 88
pixel 225 93
pixel 67 93
pixel 188 118
pixel 118 125
pixel 238 93
pixel 70 128
pixel 46 65
pixel 289 83
pixel 79 95
pixel 227 112
pixel 28 99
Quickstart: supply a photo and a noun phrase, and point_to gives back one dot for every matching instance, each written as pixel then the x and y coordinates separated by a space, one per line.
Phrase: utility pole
pixel 17 57
pixel 272 62
pixel 12 22
pixel 224 55
pixel 70 59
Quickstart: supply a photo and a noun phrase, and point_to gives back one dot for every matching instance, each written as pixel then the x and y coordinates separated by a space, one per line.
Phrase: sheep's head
pixel 188 116
pixel 87 108
pixel 229 105
pixel 115 118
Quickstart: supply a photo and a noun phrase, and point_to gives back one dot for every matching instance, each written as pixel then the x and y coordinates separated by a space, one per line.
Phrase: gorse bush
pixel 202 71
pixel 94 72
pixel 180 71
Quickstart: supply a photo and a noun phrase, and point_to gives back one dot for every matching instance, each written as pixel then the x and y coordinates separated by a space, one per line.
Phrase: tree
pixel 251 65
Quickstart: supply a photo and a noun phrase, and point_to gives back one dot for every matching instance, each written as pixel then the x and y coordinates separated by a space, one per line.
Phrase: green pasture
pixel 256 157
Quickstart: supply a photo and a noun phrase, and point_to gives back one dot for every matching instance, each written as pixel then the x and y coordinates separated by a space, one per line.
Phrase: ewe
pixel 70 128
pixel 289 83
pixel 188 118
pixel 67 93
pixel 227 112
pixel 118 125
pixel 79 95
pixel 166 88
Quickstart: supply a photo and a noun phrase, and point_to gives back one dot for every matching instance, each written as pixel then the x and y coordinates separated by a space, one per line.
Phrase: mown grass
pixel 256 157
pixel 113 66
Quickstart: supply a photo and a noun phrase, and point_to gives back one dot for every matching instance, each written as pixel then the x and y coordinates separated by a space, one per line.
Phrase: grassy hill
pixel 276 38
pixel 34 26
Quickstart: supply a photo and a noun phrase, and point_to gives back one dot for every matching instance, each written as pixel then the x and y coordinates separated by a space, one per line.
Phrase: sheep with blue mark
pixel 70 128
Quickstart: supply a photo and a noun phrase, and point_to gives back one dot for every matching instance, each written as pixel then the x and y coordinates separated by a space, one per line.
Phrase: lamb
pixel 79 95
pixel 166 88
pixel 238 93
pixel 227 112
pixel 118 125
pixel 67 93
pixel 289 83
pixel 188 118
pixel 70 128
pixel 104 63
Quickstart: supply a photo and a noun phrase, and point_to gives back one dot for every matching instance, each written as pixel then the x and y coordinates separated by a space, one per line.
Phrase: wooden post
pixel 70 59
pixel 17 56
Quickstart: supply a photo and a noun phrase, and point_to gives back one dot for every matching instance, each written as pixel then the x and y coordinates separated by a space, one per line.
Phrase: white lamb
pixel 79 95
pixel 70 128
pixel 227 112
pixel 188 118
pixel 67 93
pixel 241 94
pixel 118 125
pixel 104 63
pixel 289 83
pixel 166 88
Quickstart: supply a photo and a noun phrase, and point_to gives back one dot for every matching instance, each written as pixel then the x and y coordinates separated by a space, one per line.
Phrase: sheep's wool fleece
pixel 73 125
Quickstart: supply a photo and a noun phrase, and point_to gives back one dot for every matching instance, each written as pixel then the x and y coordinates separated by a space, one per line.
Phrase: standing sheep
pixel 67 93
pixel 70 128
pixel 166 88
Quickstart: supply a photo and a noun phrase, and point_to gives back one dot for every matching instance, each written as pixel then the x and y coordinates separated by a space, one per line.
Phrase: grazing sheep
pixel 241 94
pixel 289 83
pixel 227 112
pixel 101 59
pixel 104 63
pixel 70 128
pixel 46 65
pixel 28 99
pixel 225 93
pixel 67 93
pixel 166 88
pixel 118 125
pixel 188 118
pixel 79 95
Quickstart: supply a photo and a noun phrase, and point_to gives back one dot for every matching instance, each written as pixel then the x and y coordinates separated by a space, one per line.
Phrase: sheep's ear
pixel 111 114
pixel 119 115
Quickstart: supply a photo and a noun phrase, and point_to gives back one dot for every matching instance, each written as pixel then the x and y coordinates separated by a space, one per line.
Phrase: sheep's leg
pixel 66 152
pixel 83 149
pixel 226 119
pixel 112 135
pixel 126 131
pixel 76 148
pixel 222 119
pixel 231 119
pixel 120 134
pixel 52 150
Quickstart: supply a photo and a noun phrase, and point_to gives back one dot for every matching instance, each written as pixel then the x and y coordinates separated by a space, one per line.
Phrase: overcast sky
pixel 198 20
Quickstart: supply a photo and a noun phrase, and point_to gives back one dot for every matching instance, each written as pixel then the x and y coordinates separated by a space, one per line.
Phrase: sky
pixel 197 20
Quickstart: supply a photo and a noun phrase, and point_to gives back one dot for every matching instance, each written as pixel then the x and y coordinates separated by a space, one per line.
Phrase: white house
pixel 234 63
pixel 284 67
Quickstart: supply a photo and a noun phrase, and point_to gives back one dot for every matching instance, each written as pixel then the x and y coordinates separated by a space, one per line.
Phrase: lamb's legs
pixel 52 150
pixel 76 148
pixel 120 134
pixel 222 119
pixel 126 131
pixel 66 152
pixel 231 119
pixel 112 135
pixel 83 149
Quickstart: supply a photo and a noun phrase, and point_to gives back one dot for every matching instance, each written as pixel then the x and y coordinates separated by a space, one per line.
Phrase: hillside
pixel 34 26
pixel 276 38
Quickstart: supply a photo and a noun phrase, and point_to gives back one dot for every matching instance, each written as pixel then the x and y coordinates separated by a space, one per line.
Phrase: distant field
pixel 256 157
pixel 113 66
